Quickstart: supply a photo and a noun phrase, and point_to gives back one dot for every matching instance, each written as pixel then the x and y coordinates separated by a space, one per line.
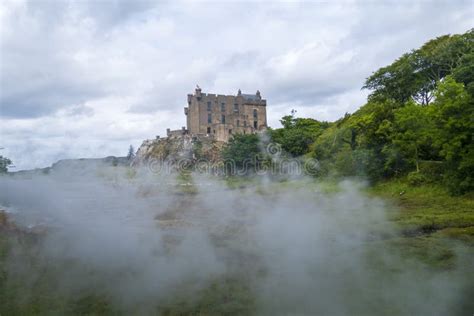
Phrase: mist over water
pixel 297 247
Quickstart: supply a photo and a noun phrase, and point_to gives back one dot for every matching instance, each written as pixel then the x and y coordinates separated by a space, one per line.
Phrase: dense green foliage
pixel 243 151
pixel 297 134
pixel 419 120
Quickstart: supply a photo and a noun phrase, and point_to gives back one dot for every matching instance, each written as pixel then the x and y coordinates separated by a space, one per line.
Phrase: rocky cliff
pixel 176 148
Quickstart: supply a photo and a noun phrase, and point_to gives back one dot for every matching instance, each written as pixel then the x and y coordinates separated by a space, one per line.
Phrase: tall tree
pixel 242 151
pixel 4 163
pixel 453 114
pixel 297 134
pixel 412 129
pixel 415 75
pixel 131 153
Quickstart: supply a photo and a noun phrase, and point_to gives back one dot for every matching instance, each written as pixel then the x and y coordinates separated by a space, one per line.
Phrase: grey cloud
pixel 242 59
pixel 160 97
pixel 44 100
pixel 106 13
pixel 80 110
pixel 115 11
pixel 306 94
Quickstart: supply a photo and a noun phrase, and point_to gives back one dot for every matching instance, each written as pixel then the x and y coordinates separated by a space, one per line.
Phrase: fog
pixel 297 247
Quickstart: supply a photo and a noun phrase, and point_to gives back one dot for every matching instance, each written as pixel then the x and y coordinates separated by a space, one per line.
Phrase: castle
pixel 219 116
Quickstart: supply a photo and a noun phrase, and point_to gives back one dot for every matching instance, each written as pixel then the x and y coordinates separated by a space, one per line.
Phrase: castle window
pixel 209 118
pixel 209 106
pixel 254 124
pixel 214 131
pixel 230 131
pixel 208 130
pixel 238 122
pixel 245 123
pixel 223 119
pixel 223 107
pixel 236 107
pixel 255 113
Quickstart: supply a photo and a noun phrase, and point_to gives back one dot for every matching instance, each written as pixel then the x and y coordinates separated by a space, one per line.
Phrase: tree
pixel 395 81
pixel 131 153
pixel 243 150
pixel 453 115
pixel 4 163
pixel 415 75
pixel 297 134
pixel 464 73
pixel 412 129
pixel 354 145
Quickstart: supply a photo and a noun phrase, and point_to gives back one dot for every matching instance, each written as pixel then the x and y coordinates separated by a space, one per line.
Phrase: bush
pixel 433 170
pixel 4 163
pixel 359 162
pixel 243 151
pixel 417 178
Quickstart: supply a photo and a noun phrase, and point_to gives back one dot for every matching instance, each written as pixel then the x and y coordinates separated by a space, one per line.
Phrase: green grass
pixel 426 207
pixel 222 296
pixel 433 225
pixel 430 251
pixel 263 185
pixel 185 183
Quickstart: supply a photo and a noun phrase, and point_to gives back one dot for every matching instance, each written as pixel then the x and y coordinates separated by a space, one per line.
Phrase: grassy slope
pixel 432 223
pixel 428 208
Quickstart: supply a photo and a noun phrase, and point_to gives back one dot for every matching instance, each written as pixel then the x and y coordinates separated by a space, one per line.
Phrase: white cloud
pixel 86 79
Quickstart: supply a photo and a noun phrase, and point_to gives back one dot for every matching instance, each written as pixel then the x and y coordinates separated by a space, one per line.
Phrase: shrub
pixel 417 178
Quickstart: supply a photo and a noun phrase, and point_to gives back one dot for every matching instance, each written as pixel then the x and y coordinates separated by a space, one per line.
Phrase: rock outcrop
pixel 179 148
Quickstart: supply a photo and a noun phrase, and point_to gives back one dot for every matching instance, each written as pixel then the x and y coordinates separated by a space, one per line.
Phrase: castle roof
pixel 252 97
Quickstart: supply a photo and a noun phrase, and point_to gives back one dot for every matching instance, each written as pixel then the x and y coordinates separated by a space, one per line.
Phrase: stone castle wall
pixel 220 116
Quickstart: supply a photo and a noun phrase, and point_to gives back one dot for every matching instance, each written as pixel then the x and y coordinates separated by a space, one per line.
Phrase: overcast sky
pixel 88 78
